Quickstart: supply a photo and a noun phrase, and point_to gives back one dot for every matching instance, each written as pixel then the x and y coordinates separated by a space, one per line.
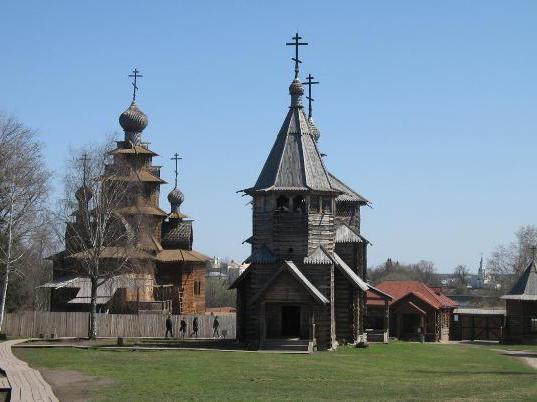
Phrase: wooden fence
pixel 46 323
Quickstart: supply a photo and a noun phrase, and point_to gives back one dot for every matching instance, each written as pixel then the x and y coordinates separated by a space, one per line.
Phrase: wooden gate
pixel 478 324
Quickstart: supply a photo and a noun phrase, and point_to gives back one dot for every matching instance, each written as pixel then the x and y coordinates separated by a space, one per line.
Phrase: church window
pixel 197 288
pixel 298 203
pixel 314 204
pixel 282 203
pixel 327 205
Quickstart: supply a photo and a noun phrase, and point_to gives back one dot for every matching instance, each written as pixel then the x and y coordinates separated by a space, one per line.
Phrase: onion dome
pixel 133 120
pixel 314 131
pixel 176 198
pixel 296 91
pixel 83 194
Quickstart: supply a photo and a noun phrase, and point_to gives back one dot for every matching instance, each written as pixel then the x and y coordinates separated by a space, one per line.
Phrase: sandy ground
pixel 71 385
pixel 530 358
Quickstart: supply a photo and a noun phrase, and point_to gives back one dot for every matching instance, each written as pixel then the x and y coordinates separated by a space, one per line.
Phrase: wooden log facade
pixel 416 311
pixel 167 273
pixel 307 270
pixel 521 308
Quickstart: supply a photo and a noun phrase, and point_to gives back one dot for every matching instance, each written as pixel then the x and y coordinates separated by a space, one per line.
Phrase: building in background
pixel 416 309
pixel 172 277
pixel 521 308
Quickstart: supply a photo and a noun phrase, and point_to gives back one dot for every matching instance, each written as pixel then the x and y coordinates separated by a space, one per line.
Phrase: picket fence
pixel 68 324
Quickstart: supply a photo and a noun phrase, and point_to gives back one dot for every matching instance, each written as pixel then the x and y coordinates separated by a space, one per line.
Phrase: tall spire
pixel 309 83
pixel 296 44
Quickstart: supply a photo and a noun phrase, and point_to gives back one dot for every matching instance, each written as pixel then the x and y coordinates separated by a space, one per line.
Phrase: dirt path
pixel 72 385
pixel 529 357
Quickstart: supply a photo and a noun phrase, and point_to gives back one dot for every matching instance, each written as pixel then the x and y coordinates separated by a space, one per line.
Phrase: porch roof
pixel 290 267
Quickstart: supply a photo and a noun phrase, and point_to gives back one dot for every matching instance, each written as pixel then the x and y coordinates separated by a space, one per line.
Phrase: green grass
pixel 398 371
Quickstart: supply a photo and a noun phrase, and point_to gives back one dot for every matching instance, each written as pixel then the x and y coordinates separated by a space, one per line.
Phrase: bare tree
pixel 462 275
pixel 23 193
pixel 423 271
pixel 100 240
pixel 506 262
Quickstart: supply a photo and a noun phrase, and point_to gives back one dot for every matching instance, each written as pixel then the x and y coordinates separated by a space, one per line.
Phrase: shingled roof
pixel 347 193
pixel 294 163
pixel 400 289
pixel 526 286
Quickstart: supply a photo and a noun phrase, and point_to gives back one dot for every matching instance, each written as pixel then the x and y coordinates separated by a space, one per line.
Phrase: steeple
pixel 133 120
pixel 294 163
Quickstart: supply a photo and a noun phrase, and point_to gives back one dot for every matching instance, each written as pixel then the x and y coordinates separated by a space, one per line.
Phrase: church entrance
pixel 291 321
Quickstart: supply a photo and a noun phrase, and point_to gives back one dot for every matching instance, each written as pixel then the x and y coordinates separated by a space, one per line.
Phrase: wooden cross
pixel 176 158
pixel 136 74
pixel 84 158
pixel 309 83
pixel 296 44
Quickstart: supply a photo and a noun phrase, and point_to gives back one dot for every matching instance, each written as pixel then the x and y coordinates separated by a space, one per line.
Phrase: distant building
pixel 521 308
pixel 172 274
pixel 415 309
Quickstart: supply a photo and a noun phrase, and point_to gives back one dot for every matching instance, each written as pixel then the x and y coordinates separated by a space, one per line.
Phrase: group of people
pixel 195 327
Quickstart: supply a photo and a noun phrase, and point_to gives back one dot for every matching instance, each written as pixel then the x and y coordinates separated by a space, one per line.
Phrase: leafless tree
pixel 462 275
pixel 23 195
pixel 423 271
pixel 506 262
pixel 100 240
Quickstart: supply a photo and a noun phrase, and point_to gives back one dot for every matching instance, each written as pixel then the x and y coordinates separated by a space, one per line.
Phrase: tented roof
pixel 526 286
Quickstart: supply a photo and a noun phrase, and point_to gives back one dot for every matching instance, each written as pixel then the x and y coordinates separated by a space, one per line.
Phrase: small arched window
pixel 326 205
pixel 282 203
pixel 197 288
pixel 298 203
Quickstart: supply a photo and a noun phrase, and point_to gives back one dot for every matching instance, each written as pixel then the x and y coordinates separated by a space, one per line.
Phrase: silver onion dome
pixel 133 120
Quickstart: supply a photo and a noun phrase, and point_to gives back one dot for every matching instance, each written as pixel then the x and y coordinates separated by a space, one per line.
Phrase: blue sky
pixel 428 108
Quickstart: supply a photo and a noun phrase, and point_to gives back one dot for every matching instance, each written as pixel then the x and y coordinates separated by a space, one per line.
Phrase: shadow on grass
pixel 514 353
pixel 213 344
pixel 468 372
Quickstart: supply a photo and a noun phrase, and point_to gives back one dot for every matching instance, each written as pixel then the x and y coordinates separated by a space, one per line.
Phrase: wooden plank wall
pixel 35 323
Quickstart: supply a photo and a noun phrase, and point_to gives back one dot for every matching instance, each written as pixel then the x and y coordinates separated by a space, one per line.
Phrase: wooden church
pixel 521 307
pixel 170 275
pixel 307 273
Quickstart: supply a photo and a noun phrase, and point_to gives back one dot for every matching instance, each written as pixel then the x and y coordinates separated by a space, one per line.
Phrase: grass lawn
pixel 398 371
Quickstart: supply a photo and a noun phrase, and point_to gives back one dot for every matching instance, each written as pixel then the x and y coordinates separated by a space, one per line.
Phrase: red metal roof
pixel 399 289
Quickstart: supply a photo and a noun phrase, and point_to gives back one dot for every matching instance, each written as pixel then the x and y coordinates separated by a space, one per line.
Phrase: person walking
pixel 195 327
pixel 169 326
pixel 216 325
pixel 182 327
